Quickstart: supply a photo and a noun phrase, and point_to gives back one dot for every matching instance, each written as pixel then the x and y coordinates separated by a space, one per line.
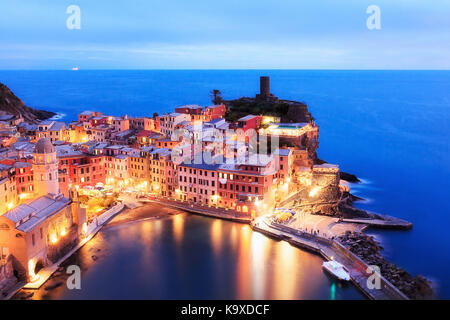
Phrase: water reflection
pixel 178 227
pixel 216 235
pixel 333 291
pixel 243 264
pixel 146 236
pixel 259 257
pixel 193 257
pixel 284 287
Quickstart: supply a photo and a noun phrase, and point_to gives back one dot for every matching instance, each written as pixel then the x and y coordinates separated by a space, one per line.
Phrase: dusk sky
pixel 231 34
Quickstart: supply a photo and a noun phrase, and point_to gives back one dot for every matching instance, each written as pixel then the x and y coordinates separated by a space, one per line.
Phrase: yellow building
pixel 37 234
pixel 8 192
pixel 139 171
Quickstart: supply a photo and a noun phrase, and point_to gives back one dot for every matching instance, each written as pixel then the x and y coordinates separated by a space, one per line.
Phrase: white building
pixel 168 122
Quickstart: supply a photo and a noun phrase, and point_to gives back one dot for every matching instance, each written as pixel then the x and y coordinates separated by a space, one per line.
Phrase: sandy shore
pixel 147 211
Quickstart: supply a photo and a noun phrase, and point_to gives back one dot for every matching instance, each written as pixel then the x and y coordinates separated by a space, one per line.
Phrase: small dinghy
pixel 337 270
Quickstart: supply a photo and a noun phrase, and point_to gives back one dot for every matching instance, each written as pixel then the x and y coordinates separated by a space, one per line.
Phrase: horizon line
pixel 222 69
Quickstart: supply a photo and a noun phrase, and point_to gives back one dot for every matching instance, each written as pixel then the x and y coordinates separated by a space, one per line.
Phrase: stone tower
pixel 264 90
pixel 45 168
pixel 264 87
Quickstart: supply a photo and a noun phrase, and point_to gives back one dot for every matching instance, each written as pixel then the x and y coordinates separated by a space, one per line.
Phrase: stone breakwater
pixel 369 250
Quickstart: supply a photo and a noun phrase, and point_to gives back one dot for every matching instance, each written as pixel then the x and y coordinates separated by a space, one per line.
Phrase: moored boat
pixel 337 270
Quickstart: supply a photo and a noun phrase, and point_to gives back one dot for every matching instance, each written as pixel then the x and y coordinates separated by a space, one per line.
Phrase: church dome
pixel 44 146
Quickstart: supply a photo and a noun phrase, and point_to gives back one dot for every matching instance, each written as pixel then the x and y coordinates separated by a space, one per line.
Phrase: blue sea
pixel 390 128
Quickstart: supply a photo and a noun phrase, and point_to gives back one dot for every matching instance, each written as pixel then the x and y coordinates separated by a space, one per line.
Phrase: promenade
pixel 209 211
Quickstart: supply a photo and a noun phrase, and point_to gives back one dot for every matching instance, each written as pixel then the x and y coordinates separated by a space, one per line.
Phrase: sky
pixel 226 34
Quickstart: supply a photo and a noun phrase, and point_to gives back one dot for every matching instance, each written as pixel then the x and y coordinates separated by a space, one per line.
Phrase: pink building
pixel 215 112
pixel 87 115
pixel 247 122
pixel 247 188
pixel 198 183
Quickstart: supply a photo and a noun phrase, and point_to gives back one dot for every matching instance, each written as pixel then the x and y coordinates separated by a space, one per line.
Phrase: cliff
pixel 11 104
pixel 288 111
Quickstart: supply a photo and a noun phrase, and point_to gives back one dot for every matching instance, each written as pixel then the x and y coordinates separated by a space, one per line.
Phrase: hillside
pixel 288 111
pixel 11 104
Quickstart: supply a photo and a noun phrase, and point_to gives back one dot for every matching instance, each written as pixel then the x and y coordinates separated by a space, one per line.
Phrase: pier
pixel 331 250
pixel 386 223
pixel 324 246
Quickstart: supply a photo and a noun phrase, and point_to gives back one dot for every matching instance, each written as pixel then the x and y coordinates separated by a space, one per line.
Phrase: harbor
pixel 332 250
pixel 161 242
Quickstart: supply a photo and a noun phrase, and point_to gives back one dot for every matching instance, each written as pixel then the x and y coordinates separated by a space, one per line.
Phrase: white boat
pixel 336 269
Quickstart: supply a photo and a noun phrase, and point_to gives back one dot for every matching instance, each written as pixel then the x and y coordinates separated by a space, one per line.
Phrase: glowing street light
pixel 31 266
pixel 53 238
pixel 314 191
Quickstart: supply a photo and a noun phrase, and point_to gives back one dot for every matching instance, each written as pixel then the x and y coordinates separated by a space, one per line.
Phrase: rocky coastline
pixel 369 250
pixel 11 104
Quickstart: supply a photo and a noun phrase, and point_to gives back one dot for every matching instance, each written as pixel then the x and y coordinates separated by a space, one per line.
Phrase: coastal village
pixel 61 182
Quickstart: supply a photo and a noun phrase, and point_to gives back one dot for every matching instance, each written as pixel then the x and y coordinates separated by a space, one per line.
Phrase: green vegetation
pixel 241 107
pixel 216 96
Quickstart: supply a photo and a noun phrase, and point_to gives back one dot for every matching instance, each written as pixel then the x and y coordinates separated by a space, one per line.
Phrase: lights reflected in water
pixel 259 254
pixel 243 281
pixel 286 271
pixel 216 235
pixel 231 261
pixel 333 291
pixel 178 227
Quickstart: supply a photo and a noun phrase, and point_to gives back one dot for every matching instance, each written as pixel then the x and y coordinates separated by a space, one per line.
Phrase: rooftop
pixel 44 146
pixel 4 167
pixel 67 150
pixel 28 216
pixel 22 164
pixel 215 121
pixel 282 152
pixel 6 117
pixel 289 125
pixel 246 118
pixel 191 106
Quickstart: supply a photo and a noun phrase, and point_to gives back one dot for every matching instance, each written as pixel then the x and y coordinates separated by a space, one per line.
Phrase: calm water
pixel 389 128
pixel 193 257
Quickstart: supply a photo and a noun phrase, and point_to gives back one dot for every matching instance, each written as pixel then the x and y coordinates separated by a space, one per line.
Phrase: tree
pixel 216 96
pixel 155 114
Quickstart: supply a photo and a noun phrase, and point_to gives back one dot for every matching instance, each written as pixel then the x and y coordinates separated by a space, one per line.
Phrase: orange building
pixel 35 233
